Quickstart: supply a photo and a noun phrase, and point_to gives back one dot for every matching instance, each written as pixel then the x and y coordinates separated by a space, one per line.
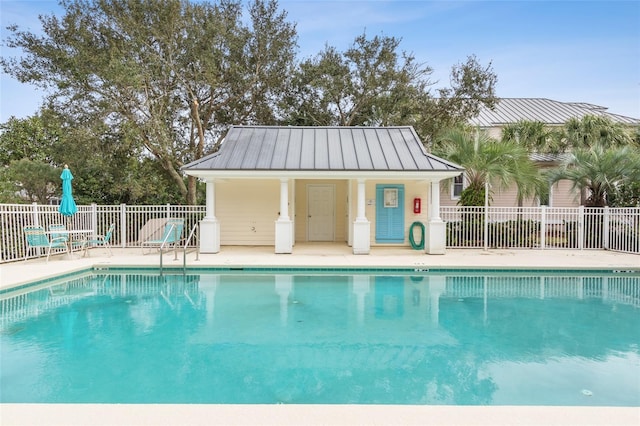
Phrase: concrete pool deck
pixel 323 255
pixel 318 255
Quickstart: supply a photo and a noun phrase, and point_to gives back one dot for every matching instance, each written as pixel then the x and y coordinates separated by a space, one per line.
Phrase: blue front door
pixel 389 213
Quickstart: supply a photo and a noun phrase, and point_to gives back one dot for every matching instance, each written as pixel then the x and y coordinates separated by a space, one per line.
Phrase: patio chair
pixel 53 232
pixel 57 231
pixel 171 235
pixel 101 240
pixel 37 238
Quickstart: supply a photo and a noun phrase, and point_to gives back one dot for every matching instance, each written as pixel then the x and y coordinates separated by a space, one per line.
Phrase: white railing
pixel 129 221
pixel 543 227
pixel 579 228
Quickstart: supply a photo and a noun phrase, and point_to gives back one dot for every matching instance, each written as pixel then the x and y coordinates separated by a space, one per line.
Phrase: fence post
pixel 543 227
pixel 580 227
pixel 486 215
pixel 94 219
pixel 36 221
pixel 605 228
pixel 168 211
pixel 123 225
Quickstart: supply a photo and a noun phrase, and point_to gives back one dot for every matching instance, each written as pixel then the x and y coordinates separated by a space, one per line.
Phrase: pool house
pixel 364 186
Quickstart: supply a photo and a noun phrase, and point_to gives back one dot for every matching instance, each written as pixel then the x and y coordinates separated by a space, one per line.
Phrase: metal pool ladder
pixel 186 244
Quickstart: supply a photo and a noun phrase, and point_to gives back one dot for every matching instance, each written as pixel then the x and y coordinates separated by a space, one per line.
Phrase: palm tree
pixel 591 130
pixel 533 135
pixel 489 163
pixel 598 172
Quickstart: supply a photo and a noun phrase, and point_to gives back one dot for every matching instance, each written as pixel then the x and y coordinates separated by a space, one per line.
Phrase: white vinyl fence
pixel 616 229
pixel 128 220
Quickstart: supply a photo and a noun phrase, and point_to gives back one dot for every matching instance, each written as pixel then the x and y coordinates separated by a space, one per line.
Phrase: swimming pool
pixel 324 337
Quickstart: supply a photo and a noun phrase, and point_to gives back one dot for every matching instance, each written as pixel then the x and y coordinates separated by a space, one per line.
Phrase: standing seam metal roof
pixel 322 149
pixel 550 112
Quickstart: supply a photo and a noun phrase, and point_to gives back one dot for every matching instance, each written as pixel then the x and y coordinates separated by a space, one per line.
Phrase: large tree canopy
pixel 368 84
pixel 153 84
pixel 175 73
pixel 373 83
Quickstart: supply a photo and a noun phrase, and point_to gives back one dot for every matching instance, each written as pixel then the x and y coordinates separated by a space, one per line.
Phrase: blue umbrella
pixel 67 204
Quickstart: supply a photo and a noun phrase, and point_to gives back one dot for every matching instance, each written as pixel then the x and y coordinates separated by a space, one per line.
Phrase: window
pixel 391 197
pixel 545 199
pixel 457 186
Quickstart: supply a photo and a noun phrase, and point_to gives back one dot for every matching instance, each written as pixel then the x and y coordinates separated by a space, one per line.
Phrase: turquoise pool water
pixel 458 338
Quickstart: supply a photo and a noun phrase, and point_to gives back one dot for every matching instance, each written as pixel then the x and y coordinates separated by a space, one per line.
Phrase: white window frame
pixel 462 185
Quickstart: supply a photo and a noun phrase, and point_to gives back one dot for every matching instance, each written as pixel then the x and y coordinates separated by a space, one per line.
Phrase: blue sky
pixel 573 51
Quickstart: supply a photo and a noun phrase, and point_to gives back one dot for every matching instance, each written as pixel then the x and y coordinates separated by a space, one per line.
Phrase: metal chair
pixel 58 231
pixel 171 235
pixel 37 238
pixel 101 240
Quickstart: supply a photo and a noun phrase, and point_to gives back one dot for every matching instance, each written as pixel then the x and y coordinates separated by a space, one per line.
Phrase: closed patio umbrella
pixel 67 203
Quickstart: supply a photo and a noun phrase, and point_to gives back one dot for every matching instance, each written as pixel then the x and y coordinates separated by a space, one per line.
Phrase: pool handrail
pixel 186 244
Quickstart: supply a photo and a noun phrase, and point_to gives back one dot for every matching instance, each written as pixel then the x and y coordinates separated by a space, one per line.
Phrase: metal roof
pixel 548 157
pixel 335 149
pixel 547 111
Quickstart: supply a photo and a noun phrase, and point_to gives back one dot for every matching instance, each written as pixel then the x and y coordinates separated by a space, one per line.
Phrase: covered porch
pixel 363 187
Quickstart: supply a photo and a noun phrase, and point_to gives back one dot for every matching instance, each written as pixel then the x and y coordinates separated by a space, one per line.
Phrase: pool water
pixel 456 338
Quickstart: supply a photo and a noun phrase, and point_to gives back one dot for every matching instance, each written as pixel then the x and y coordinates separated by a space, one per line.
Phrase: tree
pixel 373 84
pixel 472 87
pixel 175 73
pixel 28 148
pixel 535 136
pixel 34 138
pixel 628 195
pixel 599 172
pixel 368 84
pixel 489 163
pixel 34 180
pixel 592 130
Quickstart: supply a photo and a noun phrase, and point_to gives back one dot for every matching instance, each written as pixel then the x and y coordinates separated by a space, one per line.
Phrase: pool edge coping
pixel 100 267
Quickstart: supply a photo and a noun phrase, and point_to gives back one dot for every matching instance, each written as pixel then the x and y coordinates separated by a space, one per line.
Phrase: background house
pixel 552 114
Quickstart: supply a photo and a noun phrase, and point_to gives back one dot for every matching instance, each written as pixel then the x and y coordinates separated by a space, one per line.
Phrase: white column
pixel 350 212
pixel 361 215
pixel 209 225
pixel 284 226
pixel 284 199
pixel 434 201
pixel 361 226
pixel 435 240
pixel 210 202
